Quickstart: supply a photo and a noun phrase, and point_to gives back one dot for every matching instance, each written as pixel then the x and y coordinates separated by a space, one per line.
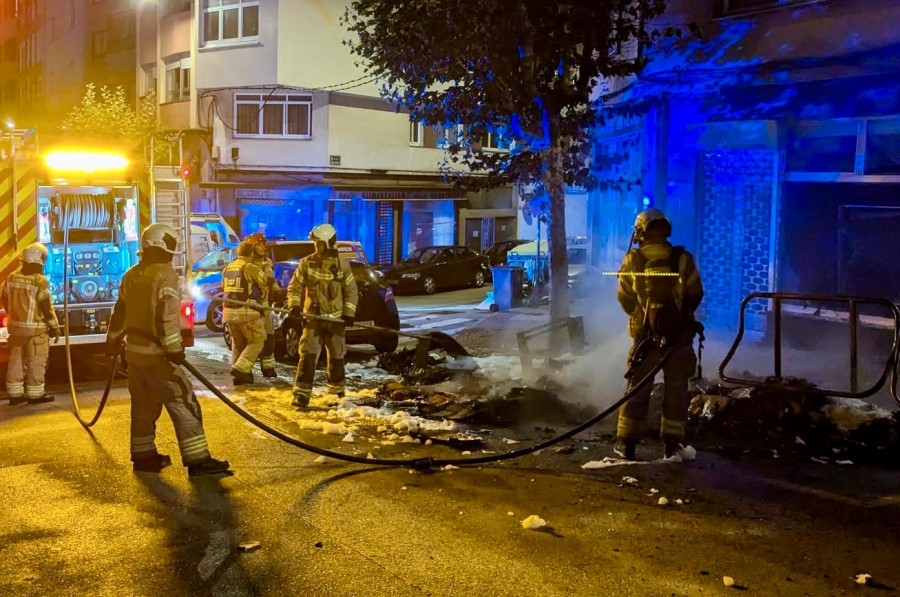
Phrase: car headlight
pixel 196 291
pixel 410 276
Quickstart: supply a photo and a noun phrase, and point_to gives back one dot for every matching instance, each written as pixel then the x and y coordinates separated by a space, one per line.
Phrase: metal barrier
pixel 853 302
pixel 573 325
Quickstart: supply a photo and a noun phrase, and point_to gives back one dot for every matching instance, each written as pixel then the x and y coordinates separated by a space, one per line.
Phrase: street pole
pixel 15 192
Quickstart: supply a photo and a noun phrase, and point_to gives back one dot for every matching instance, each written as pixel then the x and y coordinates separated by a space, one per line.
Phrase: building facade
pixel 294 133
pixel 773 144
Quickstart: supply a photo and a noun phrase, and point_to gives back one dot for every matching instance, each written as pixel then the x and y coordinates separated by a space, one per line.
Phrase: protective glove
pixel 113 347
pixel 348 320
pixel 53 333
pixel 175 357
pixel 297 312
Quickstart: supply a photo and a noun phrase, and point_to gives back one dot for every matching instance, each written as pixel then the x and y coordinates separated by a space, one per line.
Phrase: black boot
pixel 151 463
pixel 672 446
pixel 210 466
pixel 625 449
pixel 300 401
pixel 17 400
pixel 44 398
pixel 269 373
pixel 240 378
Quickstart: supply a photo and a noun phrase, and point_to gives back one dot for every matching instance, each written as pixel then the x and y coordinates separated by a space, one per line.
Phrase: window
pixel 178 80
pixel 98 44
pixel 416 133
pixel 230 21
pixel 148 84
pixel 273 115
pixel 737 7
pixel 122 32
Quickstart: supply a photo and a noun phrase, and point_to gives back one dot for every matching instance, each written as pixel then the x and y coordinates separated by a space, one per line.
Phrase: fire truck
pixel 97 202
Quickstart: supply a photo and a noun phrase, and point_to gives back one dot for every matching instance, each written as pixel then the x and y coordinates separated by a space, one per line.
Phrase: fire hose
pixel 421 463
pixel 112 370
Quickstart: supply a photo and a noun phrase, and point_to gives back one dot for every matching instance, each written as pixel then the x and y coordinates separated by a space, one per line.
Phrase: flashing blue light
pixel 647 202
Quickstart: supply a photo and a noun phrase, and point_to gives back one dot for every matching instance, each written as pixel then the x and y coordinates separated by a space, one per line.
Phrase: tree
pixel 108 117
pixel 521 70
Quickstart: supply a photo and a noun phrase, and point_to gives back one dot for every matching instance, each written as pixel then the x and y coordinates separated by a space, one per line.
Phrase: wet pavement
pixel 77 521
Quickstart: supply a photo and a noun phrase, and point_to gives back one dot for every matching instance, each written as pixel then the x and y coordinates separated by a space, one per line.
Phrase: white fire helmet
pixel 160 235
pixel 647 217
pixel 35 253
pixel 325 233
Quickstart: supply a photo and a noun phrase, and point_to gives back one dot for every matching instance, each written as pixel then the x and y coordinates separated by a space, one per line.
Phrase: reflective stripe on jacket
pixel 26 300
pixel 148 310
pixel 324 285
pixel 243 281
pixel 632 289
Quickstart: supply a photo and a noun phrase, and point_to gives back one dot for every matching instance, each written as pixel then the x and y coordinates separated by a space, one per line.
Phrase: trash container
pixel 508 283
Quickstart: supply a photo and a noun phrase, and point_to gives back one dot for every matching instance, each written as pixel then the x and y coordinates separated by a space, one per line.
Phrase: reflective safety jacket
pixel 245 282
pixel 632 291
pixel 26 300
pixel 324 285
pixel 148 310
pixel 268 270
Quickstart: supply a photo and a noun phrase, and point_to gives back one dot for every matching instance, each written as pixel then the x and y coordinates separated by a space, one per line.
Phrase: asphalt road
pixel 77 521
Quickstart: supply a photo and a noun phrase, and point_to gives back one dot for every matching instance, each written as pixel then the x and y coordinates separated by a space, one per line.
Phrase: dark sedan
pixel 497 251
pixel 429 269
pixel 376 306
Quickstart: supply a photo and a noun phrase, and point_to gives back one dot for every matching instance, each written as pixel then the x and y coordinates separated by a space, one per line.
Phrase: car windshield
pixel 292 251
pixel 423 255
pixel 215 261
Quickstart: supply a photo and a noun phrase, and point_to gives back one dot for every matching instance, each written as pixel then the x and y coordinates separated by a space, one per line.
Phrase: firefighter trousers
pixel 27 365
pixel 676 373
pixel 267 354
pixel 311 342
pixel 247 340
pixel 155 383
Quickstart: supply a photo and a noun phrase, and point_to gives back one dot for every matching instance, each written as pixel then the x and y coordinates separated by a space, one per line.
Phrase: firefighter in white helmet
pixel 322 284
pixel 146 316
pixel 243 281
pixel 32 323
pixel 659 289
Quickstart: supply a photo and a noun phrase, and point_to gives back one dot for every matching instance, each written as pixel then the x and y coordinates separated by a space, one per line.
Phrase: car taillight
pixel 4 322
pixel 389 295
pixel 187 310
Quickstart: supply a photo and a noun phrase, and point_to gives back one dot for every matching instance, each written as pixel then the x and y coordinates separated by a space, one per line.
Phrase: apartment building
pixel 295 134
pixel 773 143
pixel 50 49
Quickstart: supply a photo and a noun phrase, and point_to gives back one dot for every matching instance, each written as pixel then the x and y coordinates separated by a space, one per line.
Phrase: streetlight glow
pixel 85 161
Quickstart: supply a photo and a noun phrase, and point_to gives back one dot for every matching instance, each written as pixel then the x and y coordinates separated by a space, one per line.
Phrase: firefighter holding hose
pixel 659 289
pixel 32 323
pixel 146 317
pixel 261 260
pixel 244 281
pixel 322 285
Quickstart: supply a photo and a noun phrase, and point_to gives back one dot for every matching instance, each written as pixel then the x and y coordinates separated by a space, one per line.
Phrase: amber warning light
pixel 85 161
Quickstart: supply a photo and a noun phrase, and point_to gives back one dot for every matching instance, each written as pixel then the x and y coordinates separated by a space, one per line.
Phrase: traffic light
pixel 190 166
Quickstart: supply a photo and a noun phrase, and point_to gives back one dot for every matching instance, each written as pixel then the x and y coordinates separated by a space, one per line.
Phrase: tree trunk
pixel 559 259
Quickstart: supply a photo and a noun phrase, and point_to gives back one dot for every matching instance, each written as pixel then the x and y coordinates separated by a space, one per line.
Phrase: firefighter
pixel 322 285
pixel 146 317
pixel 660 289
pixel 32 323
pixel 261 259
pixel 244 281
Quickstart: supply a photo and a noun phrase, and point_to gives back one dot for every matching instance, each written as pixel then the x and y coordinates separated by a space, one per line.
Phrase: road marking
pixel 443 323
pixel 420 318
pixel 835 497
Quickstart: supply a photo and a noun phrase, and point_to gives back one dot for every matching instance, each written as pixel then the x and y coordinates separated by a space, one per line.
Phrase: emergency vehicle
pixel 101 201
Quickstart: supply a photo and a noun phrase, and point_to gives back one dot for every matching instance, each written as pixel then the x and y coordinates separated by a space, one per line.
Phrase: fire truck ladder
pixel 170 204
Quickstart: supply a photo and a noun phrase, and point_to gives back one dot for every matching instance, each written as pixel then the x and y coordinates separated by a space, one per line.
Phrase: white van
pixel 210 231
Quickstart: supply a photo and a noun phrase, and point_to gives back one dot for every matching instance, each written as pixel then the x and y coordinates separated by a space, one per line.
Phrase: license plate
pixel 4 334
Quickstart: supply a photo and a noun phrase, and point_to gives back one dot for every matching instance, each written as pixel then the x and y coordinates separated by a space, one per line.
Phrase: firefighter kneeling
pixel 659 288
pixel 32 322
pixel 147 313
pixel 322 285
pixel 244 281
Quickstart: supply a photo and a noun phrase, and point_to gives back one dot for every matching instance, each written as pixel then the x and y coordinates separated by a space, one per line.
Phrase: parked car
pixel 526 256
pixel 496 253
pixel 207 283
pixel 429 269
